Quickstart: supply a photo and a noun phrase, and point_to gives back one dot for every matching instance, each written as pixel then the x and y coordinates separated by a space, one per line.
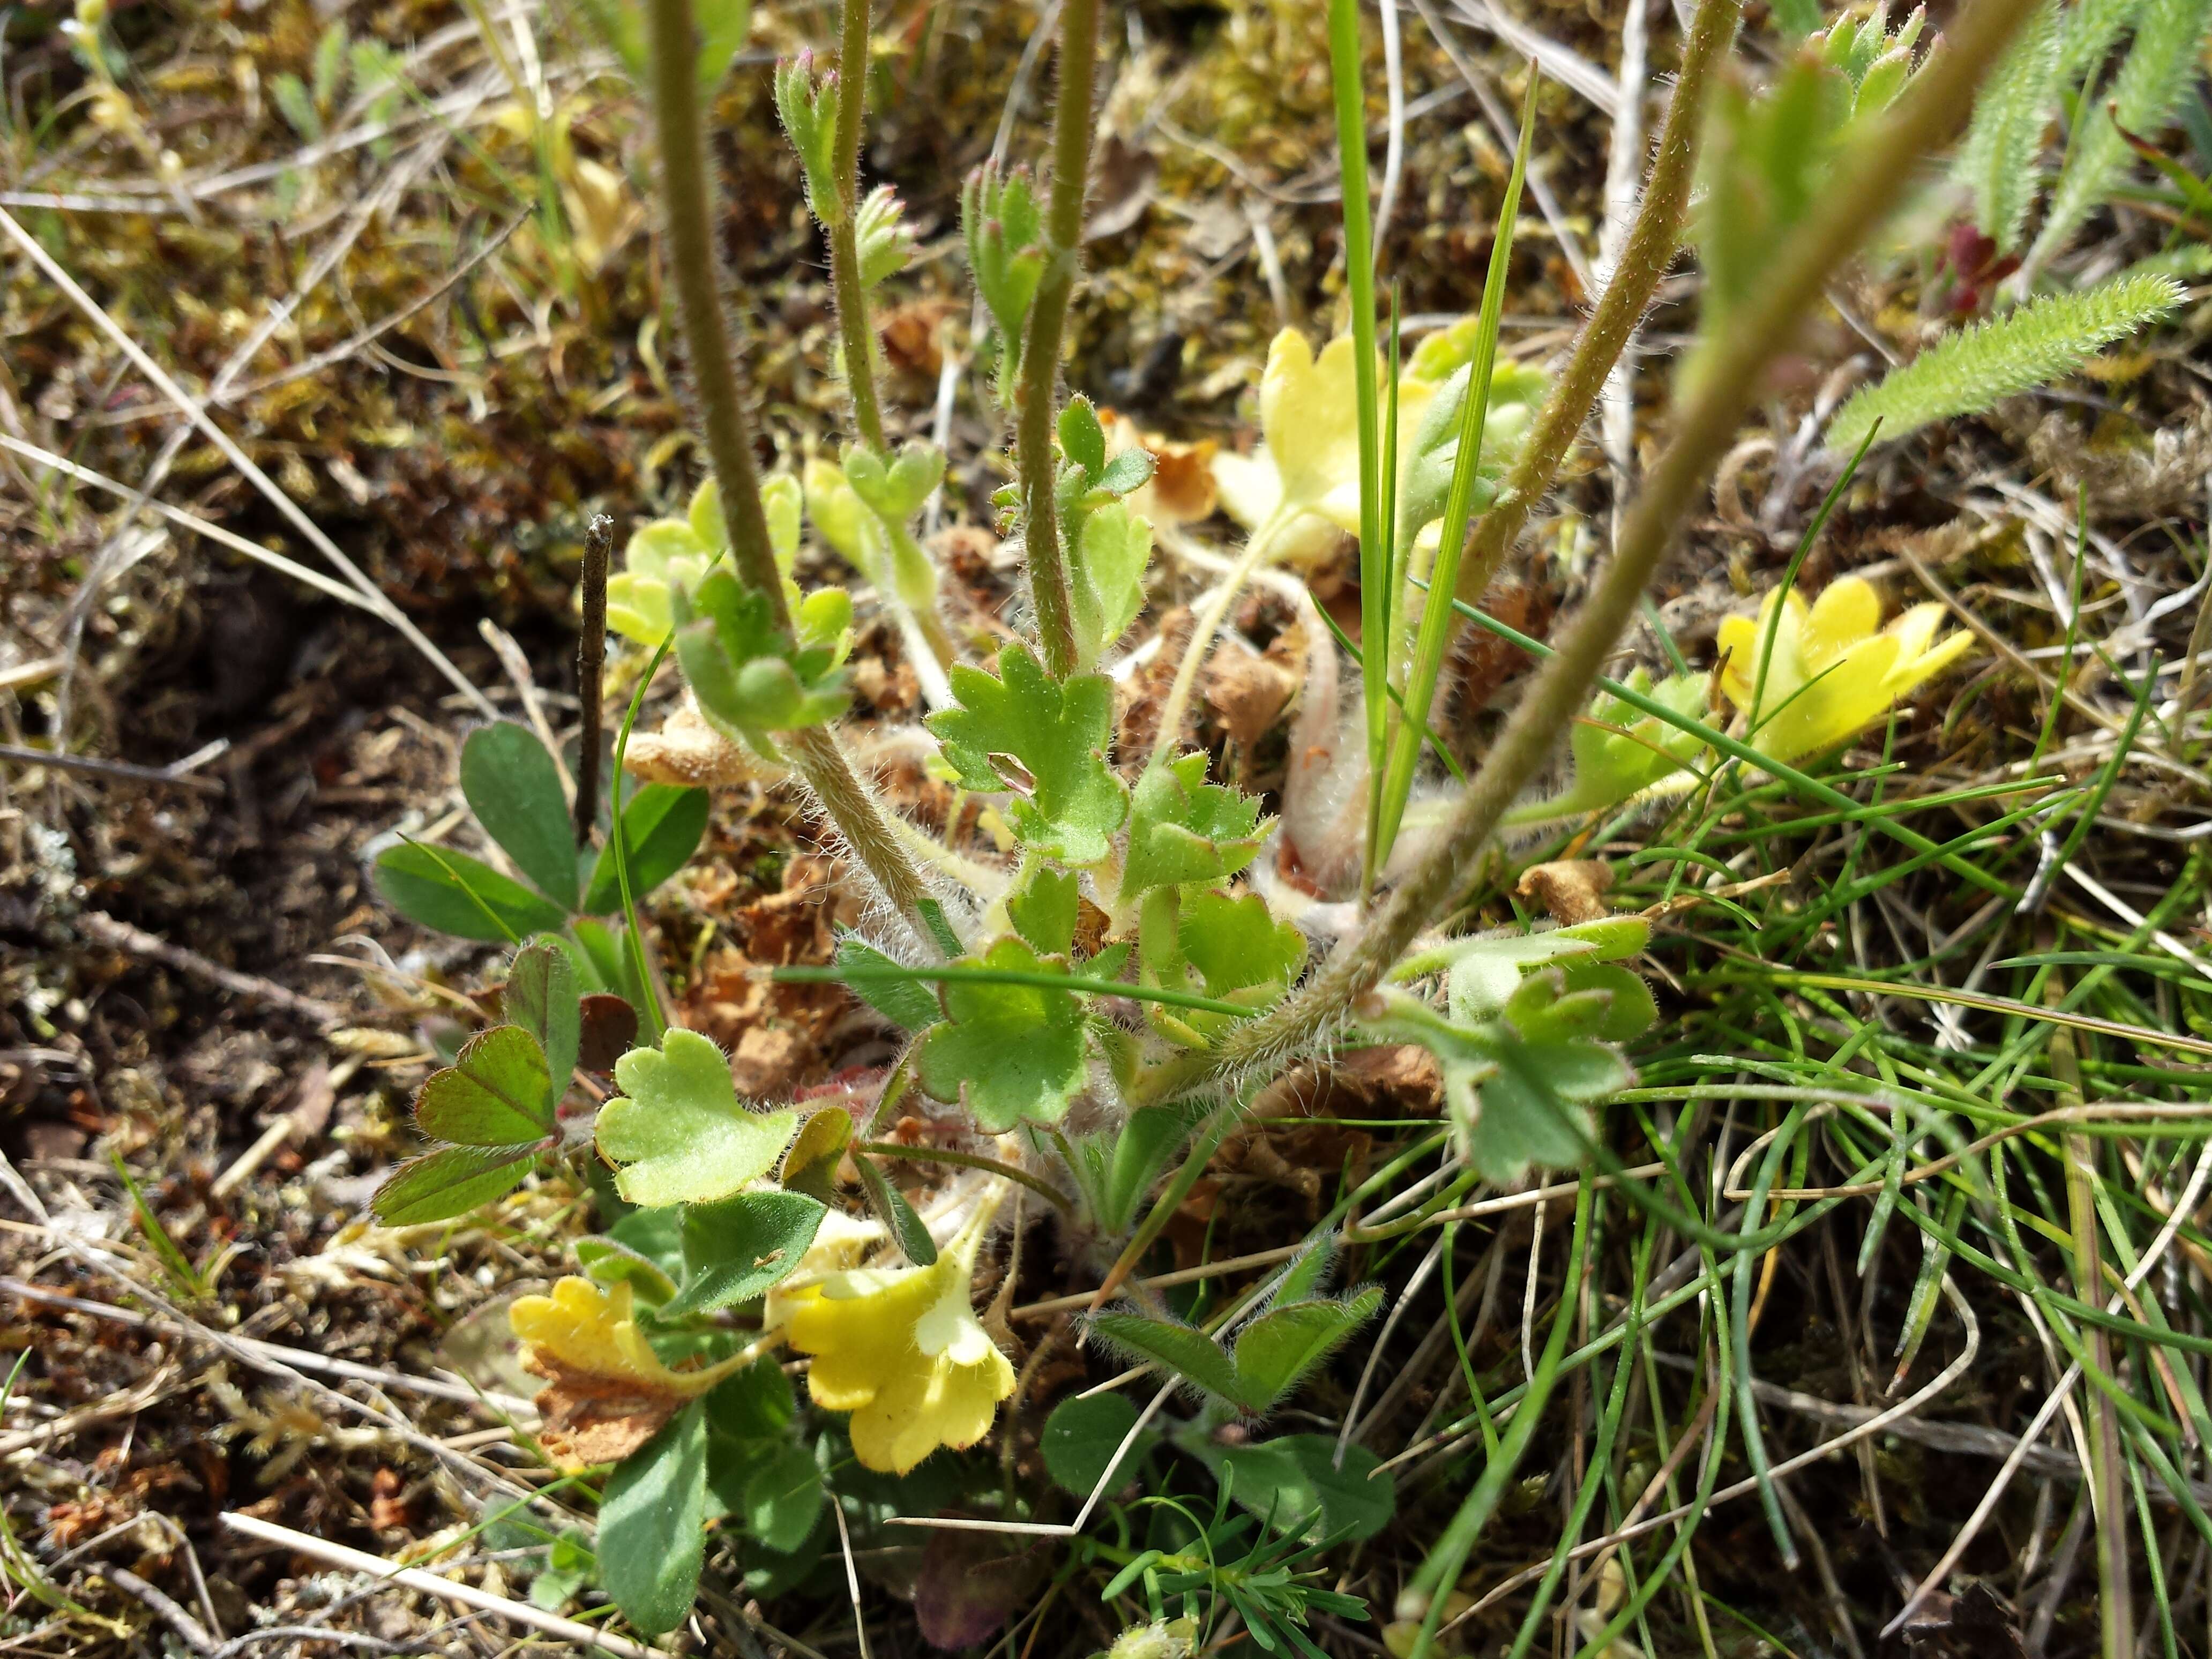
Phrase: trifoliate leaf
pixel 1183 829
pixel 1007 1052
pixel 541 998
pixel 514 789
pixel 678 1127
pixel 1004 228
pixel 450 1181
pixel 1055 737
pixel 456 894
pixel 497 1092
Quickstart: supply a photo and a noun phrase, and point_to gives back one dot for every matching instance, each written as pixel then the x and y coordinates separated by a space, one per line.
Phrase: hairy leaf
pixel 1276 1350
pixel 1184 1349
pixel 450 1181
pixel 497 1092
pixel 1182 829
pixel 653 1525
pixel 541 997
pixel 1081 1436
pixel 1009 1053
pixel 678 1129
pixel 1056 735
pixel 734 1250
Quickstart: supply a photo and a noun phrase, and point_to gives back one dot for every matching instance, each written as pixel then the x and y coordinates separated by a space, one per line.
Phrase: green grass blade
pixel 1359 287
pixel 1436 622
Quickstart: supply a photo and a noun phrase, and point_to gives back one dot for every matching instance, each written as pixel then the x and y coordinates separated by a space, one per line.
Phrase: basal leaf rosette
pixel 902 1350
pixel 1834 670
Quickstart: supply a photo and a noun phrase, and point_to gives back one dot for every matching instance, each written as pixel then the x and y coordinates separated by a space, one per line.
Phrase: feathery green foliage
pixel 1968 370
pixel 2160 65
pixel 1997 159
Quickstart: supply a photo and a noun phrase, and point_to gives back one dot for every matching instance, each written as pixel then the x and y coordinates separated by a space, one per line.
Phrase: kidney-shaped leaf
pixel 680 1129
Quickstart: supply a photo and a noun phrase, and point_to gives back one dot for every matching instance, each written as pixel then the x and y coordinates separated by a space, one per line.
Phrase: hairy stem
pixel 687 193
pixel 853 330
pixel 1868 180
pixel 687 186
pixel 1035 398
pixel 1652 240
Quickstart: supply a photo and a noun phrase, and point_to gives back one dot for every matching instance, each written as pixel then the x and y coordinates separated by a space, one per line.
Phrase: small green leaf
pixel 1182 829
pixel 810 1163
pixel 1122 1165
pixel 1082 439
pixel 569 1566
pixel 663 823
pixel 497 1092
pixel 1129 471
pixel 1009 1053
pixel 1044 907
pixel 897 1214
pixel 1295 1476
pixel 722 26
pixel 678 1127
pixel 1081 1436
pixel 653 1525
pixel 906 1003
pixel 541 998
pixel 296 105
pixel 1109 555
pixel 514 789
pixel 1004 228
pixel 1276 1350
pixel 754 1404
pixel 456 894
pixel 1056 734
pixel 751 677
pixel 609 1262
pixel 735 1249
pixel 450 1181
pixel 1184 1349
pixel 783 1497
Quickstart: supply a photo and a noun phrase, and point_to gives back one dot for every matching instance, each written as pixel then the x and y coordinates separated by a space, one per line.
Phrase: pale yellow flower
pixel 592 1328
pixel 1309 465
pixel 1830 674
pixel 902 1350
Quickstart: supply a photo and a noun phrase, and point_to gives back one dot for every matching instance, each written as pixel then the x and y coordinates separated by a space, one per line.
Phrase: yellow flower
pixel 1310 425
pixel 592 1328
pixel 1830 674
pixel 902 1350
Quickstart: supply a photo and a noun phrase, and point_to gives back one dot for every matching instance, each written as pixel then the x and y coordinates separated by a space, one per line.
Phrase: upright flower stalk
pixel 854 328
pixel 1040 378
pixel 687 189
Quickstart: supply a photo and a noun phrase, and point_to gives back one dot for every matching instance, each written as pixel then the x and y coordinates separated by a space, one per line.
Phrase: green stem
pixel 1035 398
pixel 687 193
pixel 1869 178
pixel 1645 259
pixel 853 329
pixel 969 1161
pixel 688 189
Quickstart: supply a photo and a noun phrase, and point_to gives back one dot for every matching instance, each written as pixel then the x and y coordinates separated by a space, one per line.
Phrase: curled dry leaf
pixel 1571 890
pixel 689 753
pixel 1247 690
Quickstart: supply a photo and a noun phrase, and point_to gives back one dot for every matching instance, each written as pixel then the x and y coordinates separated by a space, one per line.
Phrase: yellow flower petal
pixel 903 1351
pixel 590 1327
pixel 1847 611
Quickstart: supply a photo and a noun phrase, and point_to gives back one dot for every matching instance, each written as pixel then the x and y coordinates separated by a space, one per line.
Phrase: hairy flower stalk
pixel 855 331
pixel 1652 241
pixel 1033 457
pixel 1868 181
pixel 687 189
